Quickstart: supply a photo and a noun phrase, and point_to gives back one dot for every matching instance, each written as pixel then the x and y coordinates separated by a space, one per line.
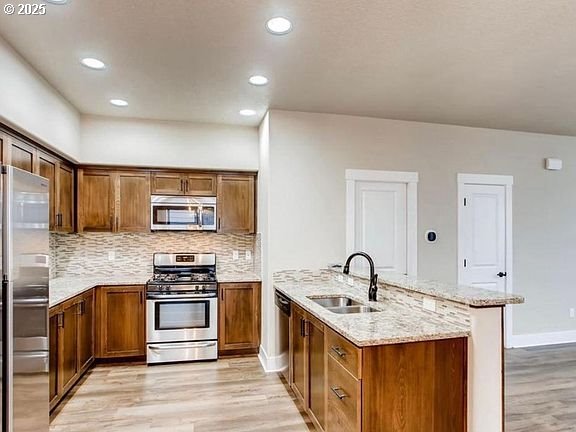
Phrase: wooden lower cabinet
pixel 120 321
pixel 239 318
pixel 408 387
pixel 71 326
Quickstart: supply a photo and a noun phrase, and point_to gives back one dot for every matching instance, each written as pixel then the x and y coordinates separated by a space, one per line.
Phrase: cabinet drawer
pixel 345 353
pixel 344 399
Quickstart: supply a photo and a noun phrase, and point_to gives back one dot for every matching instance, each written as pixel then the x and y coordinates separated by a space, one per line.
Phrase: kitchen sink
pixel 352 309
pixel 342 305
pixel 335 301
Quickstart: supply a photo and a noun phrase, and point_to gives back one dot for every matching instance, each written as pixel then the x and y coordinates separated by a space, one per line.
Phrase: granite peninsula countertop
pixel 467 295
pixel 393 323
pixel 64 288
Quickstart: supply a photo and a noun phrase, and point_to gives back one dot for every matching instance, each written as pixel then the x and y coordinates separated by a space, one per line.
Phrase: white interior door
pixel 483 236
pixel 381 225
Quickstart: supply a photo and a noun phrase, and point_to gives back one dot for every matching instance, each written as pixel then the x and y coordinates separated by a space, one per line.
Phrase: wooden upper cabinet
pixel 200 184
pixel 121 321
pixel 191 184
pixel 95 200
pixel 239 314
pixel 65 198
pixel 22 155
pixel 47 168
pixel 167 183
pixel 236 204
pixel 133 201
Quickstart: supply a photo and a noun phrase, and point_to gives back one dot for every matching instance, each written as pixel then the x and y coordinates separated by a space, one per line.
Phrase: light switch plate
pixel 429 304
pixel 234 255
pixel 350 281
pixel 340 278
pixel 248 255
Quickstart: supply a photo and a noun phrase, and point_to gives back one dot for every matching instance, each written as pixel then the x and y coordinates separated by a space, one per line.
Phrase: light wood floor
pixel 236 395
pixel 228 395
pixel 541 389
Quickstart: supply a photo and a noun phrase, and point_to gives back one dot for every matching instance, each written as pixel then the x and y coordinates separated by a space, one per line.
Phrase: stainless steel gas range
pixel 182 308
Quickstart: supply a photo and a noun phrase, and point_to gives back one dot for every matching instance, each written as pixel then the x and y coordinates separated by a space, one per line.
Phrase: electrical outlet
pixel 572 313
pixel 111 255
pixel 248 255
pixel 340 278
pixel 429 304
pixel 235 255
pixel 350 281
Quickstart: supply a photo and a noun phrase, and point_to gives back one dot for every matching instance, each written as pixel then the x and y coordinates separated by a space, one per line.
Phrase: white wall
pixel 126 141
pixel 310 152
pixel 32 106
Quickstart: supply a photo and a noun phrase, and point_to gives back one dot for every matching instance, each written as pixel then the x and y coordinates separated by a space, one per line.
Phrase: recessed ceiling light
pixel 93 63
pixel 57 2
pixel 247 112
pixel 279 25
pixel 258 80
pixel 119 102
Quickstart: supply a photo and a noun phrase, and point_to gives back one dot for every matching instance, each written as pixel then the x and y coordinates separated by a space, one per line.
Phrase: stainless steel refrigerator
pixel 24 301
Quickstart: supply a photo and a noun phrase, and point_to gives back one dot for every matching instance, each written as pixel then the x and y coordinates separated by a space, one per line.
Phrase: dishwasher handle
pixel 283 302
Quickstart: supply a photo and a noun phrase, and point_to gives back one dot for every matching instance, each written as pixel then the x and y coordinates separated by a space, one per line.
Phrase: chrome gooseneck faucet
pixel 373 289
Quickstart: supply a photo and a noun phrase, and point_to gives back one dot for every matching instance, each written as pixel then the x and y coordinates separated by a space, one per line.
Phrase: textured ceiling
pixel 507 64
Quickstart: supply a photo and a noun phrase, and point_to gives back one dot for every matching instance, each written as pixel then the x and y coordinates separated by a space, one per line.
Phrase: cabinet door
pixel 168 184
pixel 121 321
pixel 133 202
pixel 96 201
pixel 201 184
pixel 345 401
pixel 239 316
pixel 298 352
pixel 236 204
pixel 53 335
pixel 65 191
pixel 86 331
pixel 316 371
pixel 68 341
pixel 47 168
pixel 23 156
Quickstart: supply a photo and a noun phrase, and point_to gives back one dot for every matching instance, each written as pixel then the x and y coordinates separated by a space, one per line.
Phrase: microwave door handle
pixel 200 216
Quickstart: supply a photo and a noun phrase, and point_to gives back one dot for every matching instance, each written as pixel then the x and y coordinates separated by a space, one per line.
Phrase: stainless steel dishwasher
pixel 284 305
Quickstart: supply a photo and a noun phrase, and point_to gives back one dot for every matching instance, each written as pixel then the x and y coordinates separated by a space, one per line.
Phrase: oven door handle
pixel 181 346
pixel 168 299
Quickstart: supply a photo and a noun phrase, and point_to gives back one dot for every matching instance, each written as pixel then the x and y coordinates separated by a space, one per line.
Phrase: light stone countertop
pixel 240 276
pixel 467 295
pixel 393 324
pixel 64 288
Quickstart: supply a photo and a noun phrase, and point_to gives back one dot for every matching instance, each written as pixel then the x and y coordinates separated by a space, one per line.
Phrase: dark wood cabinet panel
pixel 167 184
pixel 68 341
pixel 133 202
pixel 23 155
pixel 47 168
pixel 344 399
pixel 200 184
pixel 86 331
pixel 298 353
pixel 65 197
pixel 96 201
pixel 53 366
pixel 239 316
pixel 236 205
pixel 316 371
pixel 121 321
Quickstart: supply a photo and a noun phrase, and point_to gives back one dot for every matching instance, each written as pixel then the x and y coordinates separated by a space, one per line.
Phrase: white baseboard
pixel 538 339
pixel 272 364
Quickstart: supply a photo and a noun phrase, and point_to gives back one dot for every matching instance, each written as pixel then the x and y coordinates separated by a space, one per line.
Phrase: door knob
pixel 501 274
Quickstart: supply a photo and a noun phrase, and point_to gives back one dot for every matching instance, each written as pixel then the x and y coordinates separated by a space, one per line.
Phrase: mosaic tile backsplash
pixel 88 253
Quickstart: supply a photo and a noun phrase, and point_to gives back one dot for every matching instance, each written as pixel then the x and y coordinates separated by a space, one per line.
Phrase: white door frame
pixel 411 181
pixel 498 180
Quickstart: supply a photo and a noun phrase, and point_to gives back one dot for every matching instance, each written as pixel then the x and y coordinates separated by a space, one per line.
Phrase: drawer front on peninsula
pixel 344 399
pixel 345 353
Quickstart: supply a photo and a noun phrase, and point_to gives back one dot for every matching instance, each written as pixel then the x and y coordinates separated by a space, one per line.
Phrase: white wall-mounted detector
pixel 553 164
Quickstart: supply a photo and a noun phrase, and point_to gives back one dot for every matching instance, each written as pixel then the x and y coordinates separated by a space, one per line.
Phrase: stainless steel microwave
pixel 171 213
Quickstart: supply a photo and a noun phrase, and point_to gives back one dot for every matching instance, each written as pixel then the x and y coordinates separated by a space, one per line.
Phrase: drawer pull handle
pixel 339 351
pixel 338 392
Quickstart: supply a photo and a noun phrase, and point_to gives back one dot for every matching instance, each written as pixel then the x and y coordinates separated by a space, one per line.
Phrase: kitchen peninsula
pixel 425 353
